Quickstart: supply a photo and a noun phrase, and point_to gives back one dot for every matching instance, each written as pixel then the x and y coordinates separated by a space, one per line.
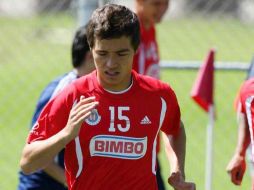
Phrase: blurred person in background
pixel 245 117
pixel 150 12
pixel 53 176
pixel 146 59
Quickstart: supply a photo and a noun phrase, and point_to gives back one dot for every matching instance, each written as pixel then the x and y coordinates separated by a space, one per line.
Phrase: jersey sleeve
pixel 54 116
pixel 43 100
pixel 243 94
pixel 238 107
pixel 171 123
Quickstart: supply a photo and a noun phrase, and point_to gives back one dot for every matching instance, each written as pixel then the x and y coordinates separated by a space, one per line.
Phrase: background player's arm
pixel 56 172
pixel 243 135
pixel 175 147
pixel 237 165
pixel 38 154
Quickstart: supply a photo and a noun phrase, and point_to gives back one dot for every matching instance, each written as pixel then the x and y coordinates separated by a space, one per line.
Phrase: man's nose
pixel 111 62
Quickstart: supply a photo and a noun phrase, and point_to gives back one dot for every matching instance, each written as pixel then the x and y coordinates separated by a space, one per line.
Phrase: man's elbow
pixel 25 166
pixel 25 161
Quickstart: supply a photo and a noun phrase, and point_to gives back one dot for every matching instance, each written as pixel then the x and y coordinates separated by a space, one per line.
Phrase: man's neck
pixel 80 72
pixel 147 24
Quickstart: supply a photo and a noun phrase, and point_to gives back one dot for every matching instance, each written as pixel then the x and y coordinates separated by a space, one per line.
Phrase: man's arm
pixel 237 165
pixel 177 158
pixel 175 147
pixel 243 135
pixel 38 154
pixel 56 172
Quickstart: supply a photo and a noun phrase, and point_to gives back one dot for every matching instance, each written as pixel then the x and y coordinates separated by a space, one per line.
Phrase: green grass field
pixel 33 51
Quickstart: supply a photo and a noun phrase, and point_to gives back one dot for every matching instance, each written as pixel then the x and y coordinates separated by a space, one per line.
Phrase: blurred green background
pixel 35 50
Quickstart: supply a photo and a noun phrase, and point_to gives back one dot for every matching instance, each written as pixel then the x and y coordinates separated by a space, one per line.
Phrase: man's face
pixel 154 10
pixel 113 60
pixel 89 63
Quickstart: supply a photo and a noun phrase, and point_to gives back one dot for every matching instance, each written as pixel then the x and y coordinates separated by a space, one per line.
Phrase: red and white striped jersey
pixel 116 146
pixel 246 106
pixel 146 60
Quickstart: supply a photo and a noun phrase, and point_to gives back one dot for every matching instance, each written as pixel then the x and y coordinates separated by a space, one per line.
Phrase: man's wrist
pixel 240 153
pixel 64 137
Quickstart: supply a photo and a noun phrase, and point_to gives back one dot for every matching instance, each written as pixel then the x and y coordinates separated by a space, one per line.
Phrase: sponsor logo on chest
pixel 118 146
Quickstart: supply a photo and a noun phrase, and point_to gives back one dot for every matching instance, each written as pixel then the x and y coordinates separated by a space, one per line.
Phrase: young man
pixel 237 165
pixel 146 60
pixel 53 176
pixel 150 12
pixel 108 121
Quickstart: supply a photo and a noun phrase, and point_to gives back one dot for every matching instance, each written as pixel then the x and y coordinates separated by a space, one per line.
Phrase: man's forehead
pixel 113 43
pixel 158 1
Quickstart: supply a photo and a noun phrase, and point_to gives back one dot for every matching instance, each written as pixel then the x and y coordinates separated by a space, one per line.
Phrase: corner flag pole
pixel 202 94
pixel 209 149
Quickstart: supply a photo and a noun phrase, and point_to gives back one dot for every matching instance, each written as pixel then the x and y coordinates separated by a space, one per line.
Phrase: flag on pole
pixel 202 91
pixel 202 94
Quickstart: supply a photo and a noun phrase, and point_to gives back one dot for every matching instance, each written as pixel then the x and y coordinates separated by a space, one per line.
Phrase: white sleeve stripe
pixel 248 103
pixel 79 156
pixel 163 111
pixel 162 116
pixel 78 151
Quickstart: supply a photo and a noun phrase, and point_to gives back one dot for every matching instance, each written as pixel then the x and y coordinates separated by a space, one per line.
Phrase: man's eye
pixel 122 54
pixel 101 53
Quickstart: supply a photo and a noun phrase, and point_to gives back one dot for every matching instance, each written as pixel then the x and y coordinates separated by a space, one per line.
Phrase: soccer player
pixel 150 12
pixel 146 59
pixel 108 121
pixel 237 165
pixel 53 176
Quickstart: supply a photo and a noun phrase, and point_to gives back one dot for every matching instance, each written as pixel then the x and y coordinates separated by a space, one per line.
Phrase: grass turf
pixel 35 50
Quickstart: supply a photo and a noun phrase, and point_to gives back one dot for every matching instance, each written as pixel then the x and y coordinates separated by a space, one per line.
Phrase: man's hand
pixel 78 113
pixel 177 181
pixel 236 169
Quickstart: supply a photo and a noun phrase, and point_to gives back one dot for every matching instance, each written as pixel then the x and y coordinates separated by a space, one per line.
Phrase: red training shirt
pixel 116 146
pixel 146 60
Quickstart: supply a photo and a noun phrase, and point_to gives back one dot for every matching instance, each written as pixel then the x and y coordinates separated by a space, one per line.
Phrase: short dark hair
pixel 113 21
pixel 80 47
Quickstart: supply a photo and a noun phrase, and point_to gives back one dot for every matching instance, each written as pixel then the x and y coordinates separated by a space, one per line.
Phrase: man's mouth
pixel 111 73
